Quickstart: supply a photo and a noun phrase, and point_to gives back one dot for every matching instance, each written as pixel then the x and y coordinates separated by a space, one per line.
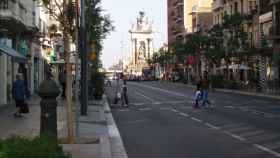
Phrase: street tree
pixel 64 13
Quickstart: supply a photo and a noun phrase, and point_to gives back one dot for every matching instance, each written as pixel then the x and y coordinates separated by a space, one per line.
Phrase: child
pixel 198 96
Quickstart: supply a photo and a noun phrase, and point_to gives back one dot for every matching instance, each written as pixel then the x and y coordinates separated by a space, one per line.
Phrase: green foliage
pixel 231 84
pixel 64 15
pixel 276 58
pixel 98 26
pixel 98 83
pixel 217 81
pixel 19 147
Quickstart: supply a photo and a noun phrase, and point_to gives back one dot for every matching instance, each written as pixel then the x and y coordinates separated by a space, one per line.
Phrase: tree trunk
pixel 70 126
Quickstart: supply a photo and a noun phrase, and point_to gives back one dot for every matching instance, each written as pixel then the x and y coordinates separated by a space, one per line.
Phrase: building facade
pixel 19 41
pixel 176 28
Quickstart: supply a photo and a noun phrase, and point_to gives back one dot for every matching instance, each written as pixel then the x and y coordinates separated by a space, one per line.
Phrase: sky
pixel 124 13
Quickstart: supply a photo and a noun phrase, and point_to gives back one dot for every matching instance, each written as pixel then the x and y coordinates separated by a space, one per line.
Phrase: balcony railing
pixel 217 4
pixel 13 10
pixel 16 11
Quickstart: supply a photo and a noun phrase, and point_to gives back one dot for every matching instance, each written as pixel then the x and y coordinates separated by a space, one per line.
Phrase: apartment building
pixel 276 33
pixel 188 8
pixel 202 16
pixel 175 11
pixel 18 43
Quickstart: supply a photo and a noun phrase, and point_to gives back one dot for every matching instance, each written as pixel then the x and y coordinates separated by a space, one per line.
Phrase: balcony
pixel 14 13
pixel 179 20
pixel 217 4
pixel 12 10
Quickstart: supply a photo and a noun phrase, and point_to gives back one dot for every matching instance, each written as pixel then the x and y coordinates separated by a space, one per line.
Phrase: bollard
pixel 48 91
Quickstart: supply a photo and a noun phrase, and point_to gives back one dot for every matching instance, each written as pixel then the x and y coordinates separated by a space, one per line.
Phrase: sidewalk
pixel 98 136
pixel 98 126
pixel 29 125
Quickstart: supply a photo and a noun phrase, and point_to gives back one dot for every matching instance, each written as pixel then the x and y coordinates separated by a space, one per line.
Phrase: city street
pixel 161 123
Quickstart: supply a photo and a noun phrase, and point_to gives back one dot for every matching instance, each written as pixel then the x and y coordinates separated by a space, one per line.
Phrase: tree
pixel 215 50
pixel 64 14
pixel 98 26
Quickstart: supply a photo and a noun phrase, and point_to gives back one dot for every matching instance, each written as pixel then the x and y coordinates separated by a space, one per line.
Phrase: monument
pixel 141 34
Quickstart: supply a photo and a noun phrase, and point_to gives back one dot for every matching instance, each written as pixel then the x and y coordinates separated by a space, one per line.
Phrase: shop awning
pixel 13 53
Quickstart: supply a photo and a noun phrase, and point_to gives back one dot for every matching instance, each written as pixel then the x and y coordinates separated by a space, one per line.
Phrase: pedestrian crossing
pixel 265 140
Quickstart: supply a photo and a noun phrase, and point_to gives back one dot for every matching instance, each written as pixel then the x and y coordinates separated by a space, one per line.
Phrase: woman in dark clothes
pixel 18 92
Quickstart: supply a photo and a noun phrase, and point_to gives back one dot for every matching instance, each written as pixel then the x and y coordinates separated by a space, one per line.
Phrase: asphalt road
pixel 161 123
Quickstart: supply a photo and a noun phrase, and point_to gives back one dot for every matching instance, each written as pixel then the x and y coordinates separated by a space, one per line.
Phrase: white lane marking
pixel 272 152
pixel 157 103
pixel 212 126
pixel 163 90
pixel 264 137
pixel 233 125
pixel 138 104
pixel 234 136
pixel 124 110
pixel 196 119
pixel 148 98
pixel 229 107
pixel 174 110
pixel 144 109
pixel 184 114
pixel 164 108
pixel 274 145
pixel 135 121
pixel 186 107
pixel 240 129
pixel 252 133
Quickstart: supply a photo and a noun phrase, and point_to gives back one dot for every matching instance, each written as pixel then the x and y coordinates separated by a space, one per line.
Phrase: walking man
pixel 124 94
pixel 204 83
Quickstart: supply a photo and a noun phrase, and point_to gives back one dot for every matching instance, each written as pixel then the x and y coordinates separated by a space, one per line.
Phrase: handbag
pixel 119 95
pixel 24 108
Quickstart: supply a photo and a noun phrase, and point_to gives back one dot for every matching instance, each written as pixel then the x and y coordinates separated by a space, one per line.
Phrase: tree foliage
pixel 98 26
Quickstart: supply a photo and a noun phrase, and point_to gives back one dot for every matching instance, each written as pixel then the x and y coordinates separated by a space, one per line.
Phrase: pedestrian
pixel 198 96
pixel 205 90
pixel 18 92
pixel 118 90
pixel 124 94
pixel 62 80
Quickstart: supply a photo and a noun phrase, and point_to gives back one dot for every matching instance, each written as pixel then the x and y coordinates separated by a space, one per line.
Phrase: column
pixel 3 81
pixel 149 48
pixel 135 52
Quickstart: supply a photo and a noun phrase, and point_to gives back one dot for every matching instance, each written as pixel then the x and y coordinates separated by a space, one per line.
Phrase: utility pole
pixel 84 63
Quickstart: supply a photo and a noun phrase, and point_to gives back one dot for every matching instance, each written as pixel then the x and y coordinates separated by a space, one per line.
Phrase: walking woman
pixel 18 92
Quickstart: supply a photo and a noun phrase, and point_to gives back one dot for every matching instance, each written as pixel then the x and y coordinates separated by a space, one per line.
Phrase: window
pixel 4 4
pixel 252 6
pixel 235 7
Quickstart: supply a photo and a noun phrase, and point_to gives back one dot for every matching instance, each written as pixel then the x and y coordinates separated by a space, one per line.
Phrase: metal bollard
pixel 48 91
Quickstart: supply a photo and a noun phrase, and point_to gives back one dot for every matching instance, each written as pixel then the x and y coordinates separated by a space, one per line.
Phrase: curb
pixel 117 146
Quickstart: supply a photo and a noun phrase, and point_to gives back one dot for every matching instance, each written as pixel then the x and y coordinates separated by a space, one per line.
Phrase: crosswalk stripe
pixel 267 150
pixel 144 109
pixel 240 129
pixel 265 137
pixel 236 125
pixel 273 145
pixel 252 133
